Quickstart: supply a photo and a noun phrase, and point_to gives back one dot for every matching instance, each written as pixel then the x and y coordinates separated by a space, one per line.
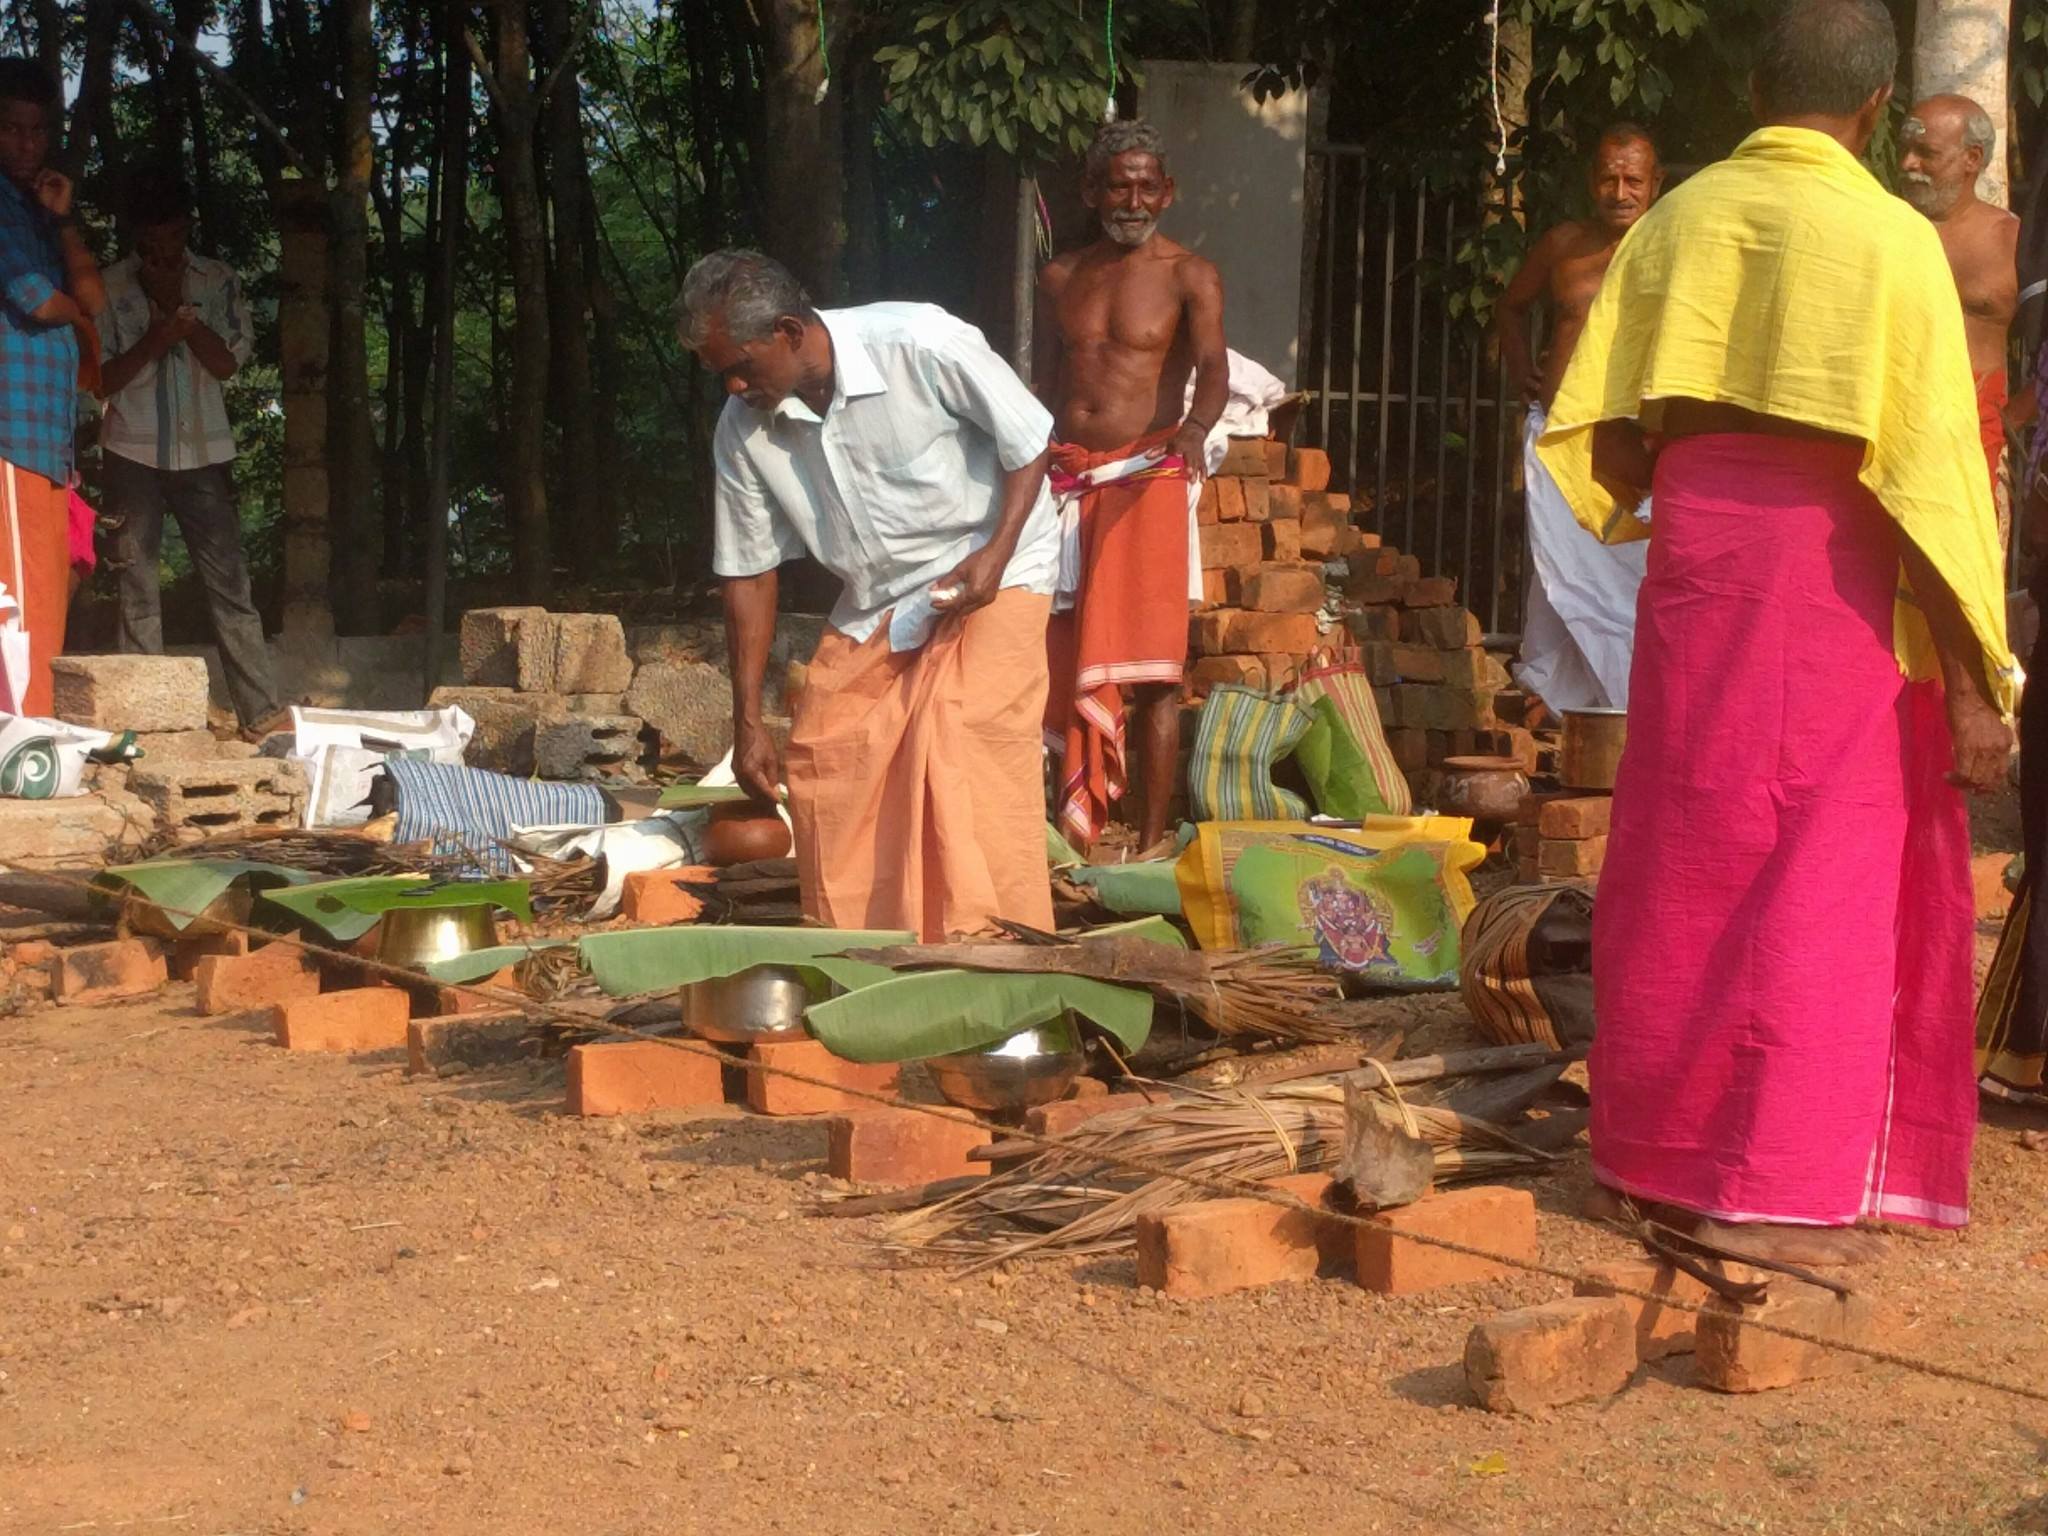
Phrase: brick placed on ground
pixel 1490 1216
pixel 472 1039
pixel 656 897
pixel 577 746
pixel 1258 501
pixel 1374 624
pixel 904 1146
pixel 352 1019
pixel 1416 663
pixel 1207 513
pixel 1238 632
pixel 465 998
pixel 1245 456
pixel 769 1093
pixel 1431 592
pixel 1336 1238
pixel 1272 587
pixel 130 692
pixel 271 973
pixel 1230 545
pixel 1571 859
pixel 1576 816
pixel 1309 468
pixel 1448 628
pixel 187 952
pixel 1546 1356
pixel 1282 538
pixel 1660 1330
pixel 99 973
pixel 630 1077
pixel 1063 1115
pixel 1732 1358
pixel 1213 1247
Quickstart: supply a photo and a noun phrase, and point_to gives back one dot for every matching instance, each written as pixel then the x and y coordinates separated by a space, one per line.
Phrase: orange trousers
pixel 915 784
pixel 35 563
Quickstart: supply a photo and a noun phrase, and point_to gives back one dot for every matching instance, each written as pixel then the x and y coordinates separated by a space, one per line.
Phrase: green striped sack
pixel 1241 735
pixel 1377 784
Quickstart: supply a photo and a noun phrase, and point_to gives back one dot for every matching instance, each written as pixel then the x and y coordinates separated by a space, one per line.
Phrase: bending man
pixel 890 443
pixel 1783 939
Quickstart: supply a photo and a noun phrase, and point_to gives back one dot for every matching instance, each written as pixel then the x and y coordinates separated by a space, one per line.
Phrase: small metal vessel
pixel 416 936
pixel 1034 1066
pixel 1591 752
pixel 761 1003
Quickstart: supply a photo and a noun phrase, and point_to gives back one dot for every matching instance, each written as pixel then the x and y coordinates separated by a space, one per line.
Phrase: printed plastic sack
pixel 44 759
pixel 1386 902
pixel 1345 757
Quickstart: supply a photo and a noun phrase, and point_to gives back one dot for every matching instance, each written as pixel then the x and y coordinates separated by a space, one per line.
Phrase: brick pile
pixel 547 692
pixel 1561 837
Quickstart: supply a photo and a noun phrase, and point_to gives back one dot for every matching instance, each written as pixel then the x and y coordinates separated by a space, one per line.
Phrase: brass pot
pixel 1593 739
pixel 763 1002
pixel 417 936
pixel 1032 1067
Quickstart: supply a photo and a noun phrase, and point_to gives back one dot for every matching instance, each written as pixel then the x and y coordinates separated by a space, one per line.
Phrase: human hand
pixel 1532 386
pixel 1191 442
pixel 53 191
pixel 1983 744
pixel 756 763
pixel 972 584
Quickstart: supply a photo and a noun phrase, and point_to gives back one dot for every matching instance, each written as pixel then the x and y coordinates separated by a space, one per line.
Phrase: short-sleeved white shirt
pixel 901 480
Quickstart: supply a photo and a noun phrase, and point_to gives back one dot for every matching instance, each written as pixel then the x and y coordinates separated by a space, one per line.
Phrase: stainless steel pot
pixel 416 936
pixel 1033 1067
pixel 761 1003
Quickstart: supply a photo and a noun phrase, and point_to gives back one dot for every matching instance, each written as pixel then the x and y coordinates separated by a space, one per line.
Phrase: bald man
pixel 1943 148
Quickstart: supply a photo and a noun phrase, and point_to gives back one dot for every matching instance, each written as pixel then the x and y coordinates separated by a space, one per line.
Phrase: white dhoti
pixel 1578 633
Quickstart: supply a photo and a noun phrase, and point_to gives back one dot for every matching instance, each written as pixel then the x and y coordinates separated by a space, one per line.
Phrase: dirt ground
pixel 245 1291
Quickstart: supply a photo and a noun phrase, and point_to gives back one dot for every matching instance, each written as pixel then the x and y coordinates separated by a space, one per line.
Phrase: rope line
pixel 1223 1186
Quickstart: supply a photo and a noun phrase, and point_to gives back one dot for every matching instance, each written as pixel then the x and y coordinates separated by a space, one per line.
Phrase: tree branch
pixel 489 75
pixel 156 24
pixel 576 36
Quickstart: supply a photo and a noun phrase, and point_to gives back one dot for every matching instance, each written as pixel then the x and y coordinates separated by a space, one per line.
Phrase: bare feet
pixel 1602 1204
pixel 1814 1246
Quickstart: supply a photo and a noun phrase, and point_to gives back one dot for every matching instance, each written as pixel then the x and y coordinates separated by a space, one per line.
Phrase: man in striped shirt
pixel 176 329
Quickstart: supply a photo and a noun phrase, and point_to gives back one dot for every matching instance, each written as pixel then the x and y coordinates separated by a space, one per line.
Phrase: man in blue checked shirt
pixel 49 290
pixel 177 330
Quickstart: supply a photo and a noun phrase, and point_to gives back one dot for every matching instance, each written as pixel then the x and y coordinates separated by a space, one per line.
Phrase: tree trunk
pixel 454 178
pixel 349 377
pixel 862 81
pixel 801 219
pixel 1242 39
pixel 92 114
pixel 1959 48
pixel 592 541
pixel 523 454
pixel 605 360
pixel 398 363
pixel 302 342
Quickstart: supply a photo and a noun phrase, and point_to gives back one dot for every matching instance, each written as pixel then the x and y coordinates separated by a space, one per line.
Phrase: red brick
pixel 1283 503
pixel 356 1019
pixel 1276 459
pixel 1457 709
pixel 1258 501
pixel 1431 592
pixel 1410 748
pixel 1987 877
pixel 770 1094
pixel 630 1077
pixel 1731 1358
pixel 98 973
pixel 1282 672
pixel 1236 632
pixel 1660 1330
pixel 1546 1356
pixel 1245 456
pixel 1056 1119
pixel 1208 672
pixel 1229 500
pixel 1271 588
pixel 1283 538
pixel 276 973
pixel 1473 667
pixel 1490 1216
pixel 654 898
pixel 1228 545
pixel 468 999
pixel 1377 658
pixel 186 953
pixel 34 952
pixel 470 1039
pixel 1216 1246
pixel 1407 706
pixel 1573 860
pixel 1417 663
pixel 1309 468
pixel 1371 591
pixel 1215 588
pixel 1576 816
pixel 1336 1240
pixel 1207 513
pixel 904 1146
pixel 1448 628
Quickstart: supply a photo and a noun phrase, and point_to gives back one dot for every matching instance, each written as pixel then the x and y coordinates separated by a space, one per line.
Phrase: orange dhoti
pixel 1992 393
pixel 35 565
pixel 1128 625
pixel 914 776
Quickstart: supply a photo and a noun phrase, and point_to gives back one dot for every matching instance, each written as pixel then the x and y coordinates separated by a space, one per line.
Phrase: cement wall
pixel 1238 168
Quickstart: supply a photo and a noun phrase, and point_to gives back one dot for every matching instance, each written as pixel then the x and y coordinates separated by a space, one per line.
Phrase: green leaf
pixel 182 889
pixel 629 962
pixel 347 909
pixel 929 20
pixel 688 796
pixel 904 67
pixel 479 963
pixel 935 1013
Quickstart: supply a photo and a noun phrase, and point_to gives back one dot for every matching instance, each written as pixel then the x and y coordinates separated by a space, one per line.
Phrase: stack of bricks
pixel 1441 694
pixel 1561 837
pixel 1267 520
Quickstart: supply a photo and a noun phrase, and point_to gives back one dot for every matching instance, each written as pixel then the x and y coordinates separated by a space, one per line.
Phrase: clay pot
pixel 741 832
pixel 1490 790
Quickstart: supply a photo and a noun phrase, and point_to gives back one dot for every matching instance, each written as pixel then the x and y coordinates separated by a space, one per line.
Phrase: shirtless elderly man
pixel 1129 318
pixel 1579 633
pixel 1942 150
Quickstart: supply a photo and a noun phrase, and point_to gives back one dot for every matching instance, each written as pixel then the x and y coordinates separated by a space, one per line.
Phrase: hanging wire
pixel 824 59
pixel 1500 127
pixel 1109 43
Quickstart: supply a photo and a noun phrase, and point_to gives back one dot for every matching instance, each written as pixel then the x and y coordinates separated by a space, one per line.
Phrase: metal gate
pixel 1416 414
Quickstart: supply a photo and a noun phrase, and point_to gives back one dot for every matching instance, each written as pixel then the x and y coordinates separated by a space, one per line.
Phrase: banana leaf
pixel 457 970
pixel 637 960
pixel 1147 887
pixel 345 910
pixel 182 889
pixel 934 1013
pixel 690 797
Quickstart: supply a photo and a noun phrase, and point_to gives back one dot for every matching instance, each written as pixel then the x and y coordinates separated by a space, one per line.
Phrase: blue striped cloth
pixel 465 811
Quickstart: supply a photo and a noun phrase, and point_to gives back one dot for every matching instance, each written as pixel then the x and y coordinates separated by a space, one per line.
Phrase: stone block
pixel 99 973
pixel 1546 1356
pixel 1730 1357
pixel 489 644
pixel 509 723
pixel 199 799
pixel 1660 1330
pixel 573 746
pixel 904 1146
pixel 130 693
pixel 473 997
pixel 1490 1216
pixel 689 703
pixel 68 833
pixel 628 1077
pixel 468 1040
pixel 179 746
pixel 582 653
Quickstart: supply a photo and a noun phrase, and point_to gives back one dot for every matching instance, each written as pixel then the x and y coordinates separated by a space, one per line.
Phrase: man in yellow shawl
pixel 1783 933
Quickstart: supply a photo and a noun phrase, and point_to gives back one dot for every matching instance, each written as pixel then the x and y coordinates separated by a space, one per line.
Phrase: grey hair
pixel 745 289
pixel 1124 136
pixel 1978 129
pixel 1825 57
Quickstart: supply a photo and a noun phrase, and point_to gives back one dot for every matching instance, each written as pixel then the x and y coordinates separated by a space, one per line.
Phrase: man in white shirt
pixel 893 445
pixel 174 331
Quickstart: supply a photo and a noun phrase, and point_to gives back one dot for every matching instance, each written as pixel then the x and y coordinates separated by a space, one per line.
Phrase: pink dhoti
pixel 1783 935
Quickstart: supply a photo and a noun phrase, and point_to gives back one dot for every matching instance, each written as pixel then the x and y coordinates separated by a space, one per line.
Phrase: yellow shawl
pixel 1785 280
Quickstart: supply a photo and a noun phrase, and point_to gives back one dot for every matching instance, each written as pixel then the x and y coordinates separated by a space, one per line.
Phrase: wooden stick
pixel 1491 1058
